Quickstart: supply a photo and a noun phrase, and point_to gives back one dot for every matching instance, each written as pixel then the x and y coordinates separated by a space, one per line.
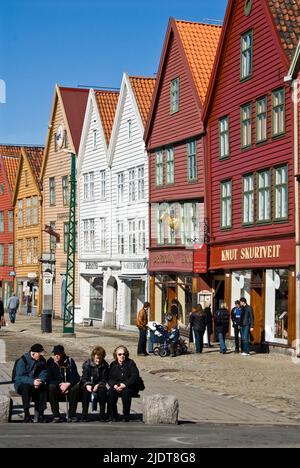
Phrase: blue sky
pixel 74 42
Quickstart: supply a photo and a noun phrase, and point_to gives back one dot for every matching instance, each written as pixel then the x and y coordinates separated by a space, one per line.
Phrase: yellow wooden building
pixel 27 203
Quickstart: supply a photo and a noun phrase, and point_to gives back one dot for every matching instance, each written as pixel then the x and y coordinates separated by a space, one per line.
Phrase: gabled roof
pixel 10 164
pixel 143 90
pixel 34 156
pixel 286 16
pixel 198 43
pixel 295 65
pixel 283 17
pixel 73 103
pixel 10 150
pixel 107 104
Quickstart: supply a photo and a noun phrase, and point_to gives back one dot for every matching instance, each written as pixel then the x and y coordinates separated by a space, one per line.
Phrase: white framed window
pixel 141 237
pixel 224 137
pixel 1 221
pixel 121 247
pixel 246 124
pixel 264 196
pixel 103 185
pixel 132 236
pixel 159 225
pixel 159 168
pixel 89 234
pixel 170 165
pixel 65 190
pixel 10 254
pixel 10 221
pixel 35 203
pixel 192 160
pixel 52 191
pixel 120 177
pixel 226 204
pixel 171 224
pixel 174 96
pixel 28 251
pixel 190 223
pixel 103 234
pixel 20 213
pixel 20 252
pixel 88 186
pixel 1 254
pixel 28 211
pixel 278 112
pixel 261 119
pixel 246 55
pixel 281 193
pixel 141 182
pixel 131 185
pixel 35 250
pixel 248 199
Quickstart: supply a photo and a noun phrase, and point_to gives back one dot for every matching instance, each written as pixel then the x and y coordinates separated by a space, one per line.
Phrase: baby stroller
pixel 163 340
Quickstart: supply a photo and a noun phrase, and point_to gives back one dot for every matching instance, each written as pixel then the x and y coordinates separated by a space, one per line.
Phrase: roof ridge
pixel 106 91
pixel 142 77
pixel 199 23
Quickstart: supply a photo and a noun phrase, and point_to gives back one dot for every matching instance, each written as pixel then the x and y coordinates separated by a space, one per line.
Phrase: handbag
pixel 140 384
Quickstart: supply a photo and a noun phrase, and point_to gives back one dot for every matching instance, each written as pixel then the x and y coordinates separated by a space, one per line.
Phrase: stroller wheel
pixel 163 352
pixel 179 350
pixel 184 349
pixel 156 351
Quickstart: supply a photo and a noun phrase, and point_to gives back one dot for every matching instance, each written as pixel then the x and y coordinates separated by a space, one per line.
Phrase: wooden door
pixel 172 294
pixel 258 305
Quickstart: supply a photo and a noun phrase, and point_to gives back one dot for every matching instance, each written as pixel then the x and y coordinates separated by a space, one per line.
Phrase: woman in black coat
pixel 123 382
pixel 221 318
pixel 198 324
pixel 1 311
pixel 94 379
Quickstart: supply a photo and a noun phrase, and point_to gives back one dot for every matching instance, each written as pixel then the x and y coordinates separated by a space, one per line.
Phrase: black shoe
pixel 27 417
pixel 146 354
pixel 85 418
pixel 102 417
pixel 57 418
pixel 72 419
pixel 126 418
pixel 115 418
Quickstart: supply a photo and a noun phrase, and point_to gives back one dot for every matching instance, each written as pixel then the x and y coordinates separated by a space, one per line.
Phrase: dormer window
pixel 174 105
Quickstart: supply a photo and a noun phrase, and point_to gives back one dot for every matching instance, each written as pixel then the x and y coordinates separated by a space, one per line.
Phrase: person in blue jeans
pixel 221 319
pixel 247 325
pixel 12 307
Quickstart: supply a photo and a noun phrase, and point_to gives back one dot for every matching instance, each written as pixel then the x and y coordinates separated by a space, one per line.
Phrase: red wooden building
pixel 9 160
pixel 173 137
pixel 248 115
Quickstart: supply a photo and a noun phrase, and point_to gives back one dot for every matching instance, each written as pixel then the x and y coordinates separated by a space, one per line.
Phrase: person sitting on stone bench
pixel 29 382
pixel 93 381
pixel 63 379
pixel 123 382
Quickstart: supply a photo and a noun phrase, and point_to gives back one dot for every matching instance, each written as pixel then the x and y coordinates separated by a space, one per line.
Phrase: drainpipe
pixel 297 217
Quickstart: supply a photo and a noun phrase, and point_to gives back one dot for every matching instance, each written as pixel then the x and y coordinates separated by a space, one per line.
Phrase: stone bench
pixel 5 409
pixel 160 409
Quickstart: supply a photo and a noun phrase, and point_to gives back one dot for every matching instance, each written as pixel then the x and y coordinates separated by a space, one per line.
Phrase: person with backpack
pixel 29 376
pixel 63 379
pixel 93 381
pixel 12 307
pixel 221 326
pixel 141 323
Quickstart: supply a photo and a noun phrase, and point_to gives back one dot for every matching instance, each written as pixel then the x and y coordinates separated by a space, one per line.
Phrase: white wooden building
pixel 113 209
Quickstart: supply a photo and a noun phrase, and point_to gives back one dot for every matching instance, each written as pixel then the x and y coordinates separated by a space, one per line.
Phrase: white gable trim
pixel 91 105
pixel 125 86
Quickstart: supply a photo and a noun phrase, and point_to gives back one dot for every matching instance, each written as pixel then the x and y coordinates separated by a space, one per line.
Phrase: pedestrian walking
pixel 247 325
pixel 198 325
pixel 235 318
pixel 141 323
pixel 29 382
pixel 12 307
pixel 63 381
pixel 221 326
pixel 209 322
pixel 1 313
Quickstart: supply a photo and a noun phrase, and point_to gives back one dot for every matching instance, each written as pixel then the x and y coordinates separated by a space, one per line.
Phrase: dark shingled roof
pixel 286 15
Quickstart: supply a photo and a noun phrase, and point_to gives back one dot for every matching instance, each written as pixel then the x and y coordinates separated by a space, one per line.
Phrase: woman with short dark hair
pixel 94 379
pixel 123 382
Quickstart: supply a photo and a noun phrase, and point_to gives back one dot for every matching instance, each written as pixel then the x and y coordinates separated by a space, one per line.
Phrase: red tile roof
pixel 74 101
pixel 11 164
pixel 200 42
pixel 107 104
pixel 10 150
pixel 286 16
pixel 143 90
pixel 35 159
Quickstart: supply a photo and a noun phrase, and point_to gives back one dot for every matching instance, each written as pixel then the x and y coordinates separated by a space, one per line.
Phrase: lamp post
pixel 69 302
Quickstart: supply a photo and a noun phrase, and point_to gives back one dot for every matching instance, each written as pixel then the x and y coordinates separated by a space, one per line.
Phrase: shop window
pixel 277 295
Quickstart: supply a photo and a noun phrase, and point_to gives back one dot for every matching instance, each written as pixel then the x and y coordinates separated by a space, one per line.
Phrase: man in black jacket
pixel 123 382
pixel 247 325
pixel 1 311
pixel 63 381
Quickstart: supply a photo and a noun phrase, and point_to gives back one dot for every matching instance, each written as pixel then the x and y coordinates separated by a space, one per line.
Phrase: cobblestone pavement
pixel 266 382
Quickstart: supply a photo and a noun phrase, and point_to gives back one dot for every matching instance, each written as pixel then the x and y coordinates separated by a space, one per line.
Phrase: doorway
pixel 258 305
pixel 111 302
pixel 96 298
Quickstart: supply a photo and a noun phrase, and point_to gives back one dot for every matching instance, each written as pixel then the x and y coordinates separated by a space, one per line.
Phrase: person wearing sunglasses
pixel 123 382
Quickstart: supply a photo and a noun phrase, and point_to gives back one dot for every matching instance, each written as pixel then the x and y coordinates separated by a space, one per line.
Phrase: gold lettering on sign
pixel 251 253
